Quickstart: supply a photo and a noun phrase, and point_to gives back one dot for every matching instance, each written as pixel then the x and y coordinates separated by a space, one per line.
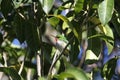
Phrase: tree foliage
pixel 59 39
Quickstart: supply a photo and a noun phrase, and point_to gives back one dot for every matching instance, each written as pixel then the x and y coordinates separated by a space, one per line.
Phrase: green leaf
pixel 65 19
pixel 90 55
pixel 105 37
pixel 96 21
pixel 41 78
pixel 105 11
pixel 65 75
pixel 11 71
pixel 109 70
pixel 17 3
pixel 78 5
pixel 47 5
pixel 110 47
pixel 53 21
pixel 116 22
pixel 63 38
pixel 109 31
pixel 6 7
pixel 108 37
pixel 72 72
pixel 94 43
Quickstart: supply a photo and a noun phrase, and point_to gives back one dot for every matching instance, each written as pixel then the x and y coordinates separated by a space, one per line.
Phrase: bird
pixel 53 37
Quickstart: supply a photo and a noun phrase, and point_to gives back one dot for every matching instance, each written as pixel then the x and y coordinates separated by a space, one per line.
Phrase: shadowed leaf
pixel 11 71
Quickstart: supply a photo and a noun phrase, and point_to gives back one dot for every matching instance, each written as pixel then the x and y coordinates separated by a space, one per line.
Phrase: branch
pixel 57 58
pixel 40 56
pixel 39 67
pixel 22 65
pixel 5 63
pixel 84 46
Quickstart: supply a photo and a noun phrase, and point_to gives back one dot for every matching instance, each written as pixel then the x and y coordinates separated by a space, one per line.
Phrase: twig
pixel 39 55
pixel 22 65
pixel 29 74
pixel 59 56
pixel 82 60
pixel 40 58
pixel 55 57
pixel 21 68
pixel 5 63
pixel 39 67
pixel 84 45
pixel 5 59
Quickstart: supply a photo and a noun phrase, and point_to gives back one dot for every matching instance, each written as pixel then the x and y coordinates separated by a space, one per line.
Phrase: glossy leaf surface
pixel 47 5
pixel 105 11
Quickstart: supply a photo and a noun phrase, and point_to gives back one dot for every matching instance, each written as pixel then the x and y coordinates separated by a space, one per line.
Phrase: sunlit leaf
pixel 53 21
pixel 109 70
pixel 65 19
pixel 90 55
pixel 103 29
pixel 102 36
pixel 41 78
pixel 97 22
pixel 47 5
pixel 73 72
pixel 105 11
pixel 78 5
pixel 65 26
pixel 61 37
pixel 17 3
pixel 110 47
pixel 109 31
pixel 65 75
